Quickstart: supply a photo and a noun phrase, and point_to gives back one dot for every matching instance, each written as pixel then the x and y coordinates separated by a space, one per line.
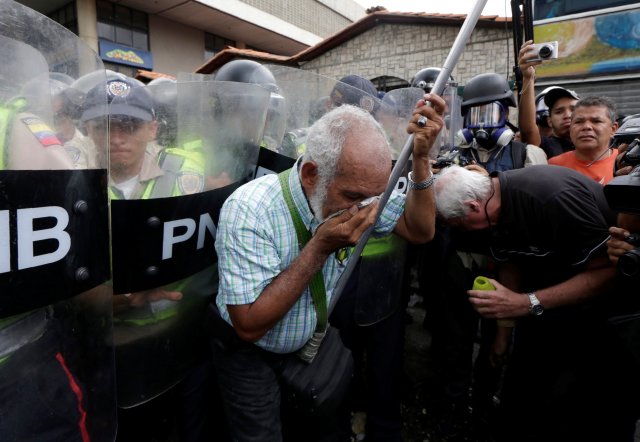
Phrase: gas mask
pixel 485 123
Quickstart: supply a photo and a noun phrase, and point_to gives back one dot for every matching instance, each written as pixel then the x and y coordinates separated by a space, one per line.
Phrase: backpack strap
pixel 518 153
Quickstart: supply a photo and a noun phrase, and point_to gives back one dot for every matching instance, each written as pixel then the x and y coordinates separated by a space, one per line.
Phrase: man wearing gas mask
pixel 485 107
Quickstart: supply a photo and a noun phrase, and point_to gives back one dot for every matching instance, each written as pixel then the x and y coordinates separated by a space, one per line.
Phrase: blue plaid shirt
pixel 256 241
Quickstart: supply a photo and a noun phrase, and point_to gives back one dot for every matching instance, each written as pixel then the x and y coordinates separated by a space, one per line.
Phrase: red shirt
pixel 601 170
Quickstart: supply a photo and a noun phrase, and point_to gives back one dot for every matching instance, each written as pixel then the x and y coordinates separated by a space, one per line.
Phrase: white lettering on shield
pixel 27 236
pixel 171 236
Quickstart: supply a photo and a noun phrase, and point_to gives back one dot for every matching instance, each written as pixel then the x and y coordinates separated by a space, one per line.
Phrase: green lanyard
pixel 316 286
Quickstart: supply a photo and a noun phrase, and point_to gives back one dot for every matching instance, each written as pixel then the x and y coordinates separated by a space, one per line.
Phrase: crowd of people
pixel 209 347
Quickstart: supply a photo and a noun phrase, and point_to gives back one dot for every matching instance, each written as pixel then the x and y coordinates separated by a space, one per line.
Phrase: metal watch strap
pixel 535 307
pixel 422 185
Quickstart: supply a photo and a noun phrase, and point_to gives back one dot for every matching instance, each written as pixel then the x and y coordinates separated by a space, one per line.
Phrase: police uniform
pixel 30 143
pixel 30 341
pixel 82 152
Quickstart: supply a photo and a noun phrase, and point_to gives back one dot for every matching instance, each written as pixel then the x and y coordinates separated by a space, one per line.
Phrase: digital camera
pixel 451 157
pixel 629 263
pixel 545 51
pixel 628 131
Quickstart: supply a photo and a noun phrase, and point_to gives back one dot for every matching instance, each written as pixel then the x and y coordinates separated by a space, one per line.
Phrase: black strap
pixel 518 154
pixel 316 285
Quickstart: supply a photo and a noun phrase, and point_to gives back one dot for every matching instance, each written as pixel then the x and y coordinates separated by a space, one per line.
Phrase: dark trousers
pixel 563 376
pixel 248 378
pixel 462 325
pixel 191 411
pixel 41 398
pixel 378 354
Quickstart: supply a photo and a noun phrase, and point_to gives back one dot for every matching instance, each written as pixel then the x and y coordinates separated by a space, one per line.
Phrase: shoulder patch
pixel 45 135
pixel 73 152
pixel 190 182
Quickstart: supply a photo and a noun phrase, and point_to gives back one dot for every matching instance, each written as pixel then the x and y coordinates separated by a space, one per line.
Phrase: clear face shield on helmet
pixel 486 116
pixel 275 124
pixel 483 120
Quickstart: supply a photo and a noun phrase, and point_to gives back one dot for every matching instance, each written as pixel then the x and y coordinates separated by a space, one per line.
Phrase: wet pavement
pixel 424 419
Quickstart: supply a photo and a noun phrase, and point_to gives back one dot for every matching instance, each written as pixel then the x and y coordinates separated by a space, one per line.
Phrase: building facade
pixel 398 51
pixel 172 36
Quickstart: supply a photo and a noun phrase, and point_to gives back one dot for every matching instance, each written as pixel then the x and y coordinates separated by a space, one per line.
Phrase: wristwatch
pixel 535 309
pixel 421 185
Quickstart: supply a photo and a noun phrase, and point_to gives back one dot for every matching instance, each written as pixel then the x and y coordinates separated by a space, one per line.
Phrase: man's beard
pixel 319 198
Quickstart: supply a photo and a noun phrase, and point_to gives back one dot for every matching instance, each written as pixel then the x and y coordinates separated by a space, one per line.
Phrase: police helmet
pixel 542 110
pixel 426 78
pixel 247 71
pixel 485 88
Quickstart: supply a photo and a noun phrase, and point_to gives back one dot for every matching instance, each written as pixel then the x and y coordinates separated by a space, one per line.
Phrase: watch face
pixel 537 310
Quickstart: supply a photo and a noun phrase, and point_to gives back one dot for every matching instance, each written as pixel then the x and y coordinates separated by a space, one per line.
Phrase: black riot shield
pixel 382 269
pixel 56 362
pixel 163 234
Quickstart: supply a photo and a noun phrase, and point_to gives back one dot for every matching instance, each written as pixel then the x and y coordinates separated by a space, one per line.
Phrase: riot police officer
pixel 56 376
pixel 248 71
pixel 426 78
pixel 156 348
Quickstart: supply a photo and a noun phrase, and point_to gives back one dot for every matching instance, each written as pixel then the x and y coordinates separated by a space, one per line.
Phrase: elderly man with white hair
pixel 265 274
pixel 548 228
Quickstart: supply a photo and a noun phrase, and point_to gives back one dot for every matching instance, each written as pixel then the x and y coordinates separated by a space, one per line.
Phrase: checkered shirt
pixel 256 240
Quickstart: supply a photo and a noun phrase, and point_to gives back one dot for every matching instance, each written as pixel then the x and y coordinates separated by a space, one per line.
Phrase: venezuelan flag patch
pixel 45 135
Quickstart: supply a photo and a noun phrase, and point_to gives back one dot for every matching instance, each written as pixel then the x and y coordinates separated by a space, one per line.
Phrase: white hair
pixel 455 186
pixel 326 140
pixel 327 136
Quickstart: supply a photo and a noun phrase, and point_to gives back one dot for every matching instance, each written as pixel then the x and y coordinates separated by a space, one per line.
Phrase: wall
pixel 309 15
pixel 402 50
pixel 175 47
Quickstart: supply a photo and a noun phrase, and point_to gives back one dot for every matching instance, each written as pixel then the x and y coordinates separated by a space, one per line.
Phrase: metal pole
pixel 438 88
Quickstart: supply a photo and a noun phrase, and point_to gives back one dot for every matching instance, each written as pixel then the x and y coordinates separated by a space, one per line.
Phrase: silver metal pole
pixel 438 88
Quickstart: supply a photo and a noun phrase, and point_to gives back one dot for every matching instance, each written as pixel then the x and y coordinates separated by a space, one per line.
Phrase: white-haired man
pixel 548 227
pixel 264 274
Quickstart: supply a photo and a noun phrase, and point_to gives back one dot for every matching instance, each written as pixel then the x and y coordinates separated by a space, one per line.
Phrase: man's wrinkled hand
pixel 499 303
pixel 477 168
pixel 431 107
pixel 346 228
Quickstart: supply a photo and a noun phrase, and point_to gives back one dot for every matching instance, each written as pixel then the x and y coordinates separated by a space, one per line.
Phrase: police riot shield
pixel 308 96
pixel 382 269
pixel 56 360
pixel 301 98
pixel 163 232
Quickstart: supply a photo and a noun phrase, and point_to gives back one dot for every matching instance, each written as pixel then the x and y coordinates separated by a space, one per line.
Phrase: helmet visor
pixel 275 123
pixel 491 115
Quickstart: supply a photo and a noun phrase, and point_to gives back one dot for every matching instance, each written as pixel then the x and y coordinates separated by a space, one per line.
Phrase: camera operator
pixel 560 102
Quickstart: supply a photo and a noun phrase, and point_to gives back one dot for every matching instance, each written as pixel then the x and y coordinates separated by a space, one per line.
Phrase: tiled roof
pixel 147 76
pixel 229 53
pixel 364 24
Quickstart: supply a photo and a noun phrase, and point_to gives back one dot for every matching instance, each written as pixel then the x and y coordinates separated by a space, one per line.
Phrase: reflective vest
pixel 176 163
pixel 7 114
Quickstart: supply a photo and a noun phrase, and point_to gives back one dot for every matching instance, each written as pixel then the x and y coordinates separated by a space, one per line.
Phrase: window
pixel 214 44
pixel 66 16
pixel 122 25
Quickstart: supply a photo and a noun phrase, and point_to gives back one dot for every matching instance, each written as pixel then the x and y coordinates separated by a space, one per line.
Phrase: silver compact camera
pixel 545 51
